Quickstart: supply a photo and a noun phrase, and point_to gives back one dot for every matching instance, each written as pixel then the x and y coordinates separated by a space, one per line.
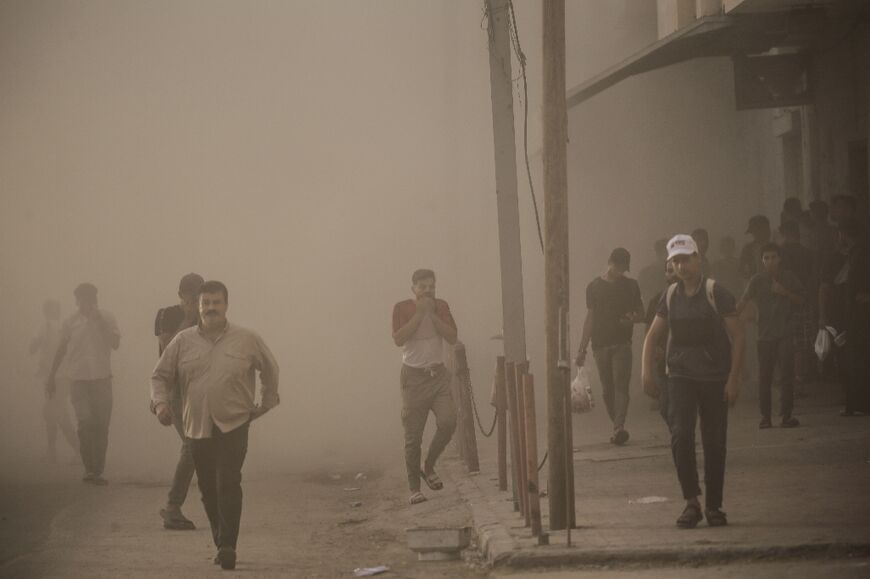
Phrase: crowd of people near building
pixel 807 285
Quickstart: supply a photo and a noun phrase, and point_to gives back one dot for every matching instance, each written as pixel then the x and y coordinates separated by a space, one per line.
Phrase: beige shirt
pixel 217 381
pixel 88 351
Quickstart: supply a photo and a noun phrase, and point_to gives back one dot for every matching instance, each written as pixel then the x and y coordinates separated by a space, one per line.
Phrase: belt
pixel 432 371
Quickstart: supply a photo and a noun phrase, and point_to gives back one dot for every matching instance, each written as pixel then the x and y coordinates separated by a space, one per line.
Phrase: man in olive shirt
pixel 776 292
pixel 213 363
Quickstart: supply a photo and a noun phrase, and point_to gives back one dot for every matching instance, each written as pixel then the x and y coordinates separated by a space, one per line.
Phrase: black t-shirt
pixel 801 261
pixel 699 348
pixel 611 302
pixel 849 275
pixel 168 321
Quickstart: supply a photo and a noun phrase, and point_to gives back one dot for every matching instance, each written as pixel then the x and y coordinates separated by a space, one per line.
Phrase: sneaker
pixel 99 481
pixel 174 519
pixel 89 477
pixel 765 423
pixel 227 557
pixel 620 437
pixel 790 422
pixel 690 518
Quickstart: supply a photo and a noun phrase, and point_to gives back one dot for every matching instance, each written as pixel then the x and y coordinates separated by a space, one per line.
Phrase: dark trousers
pixel 424 391
pixel 614 371
pixel 773 353
pixel 218 461
pixel 689 399
pixel 856 374
pixel 661 378
pixel 92 403
pixel 184 468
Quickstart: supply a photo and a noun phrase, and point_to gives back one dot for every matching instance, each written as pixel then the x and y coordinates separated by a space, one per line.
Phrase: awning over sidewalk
pixel 722 36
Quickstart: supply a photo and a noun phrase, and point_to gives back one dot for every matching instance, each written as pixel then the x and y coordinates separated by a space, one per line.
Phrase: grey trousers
pixel 424 391
pixel 184 469
pixel 92 403
pixel 614 370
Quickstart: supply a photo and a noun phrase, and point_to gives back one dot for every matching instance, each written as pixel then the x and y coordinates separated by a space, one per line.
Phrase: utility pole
pixel 501 89
pixel 559 443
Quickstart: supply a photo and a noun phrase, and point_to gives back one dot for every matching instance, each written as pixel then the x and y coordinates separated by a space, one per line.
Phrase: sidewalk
pixel 788 492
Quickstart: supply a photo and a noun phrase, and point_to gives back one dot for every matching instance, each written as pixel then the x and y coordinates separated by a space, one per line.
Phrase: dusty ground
pixel 297 524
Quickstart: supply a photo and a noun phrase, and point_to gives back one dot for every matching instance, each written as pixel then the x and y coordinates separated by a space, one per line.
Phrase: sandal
pixel 716 518
pixel 690 518
pixel 433 481
pixel 417 498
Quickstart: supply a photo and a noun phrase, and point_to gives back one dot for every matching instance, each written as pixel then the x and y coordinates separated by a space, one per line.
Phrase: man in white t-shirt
pixel 420 328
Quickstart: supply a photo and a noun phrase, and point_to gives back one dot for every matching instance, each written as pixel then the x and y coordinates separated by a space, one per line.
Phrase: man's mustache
pixel 211 312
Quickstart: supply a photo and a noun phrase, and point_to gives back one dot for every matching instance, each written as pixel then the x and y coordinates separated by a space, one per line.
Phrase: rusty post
pixel 521 371
pixel 532 488
pixel 511 385
pixel 467 434
pixel 500 410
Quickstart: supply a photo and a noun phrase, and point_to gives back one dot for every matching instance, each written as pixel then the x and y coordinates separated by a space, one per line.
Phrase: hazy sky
pixel 311 155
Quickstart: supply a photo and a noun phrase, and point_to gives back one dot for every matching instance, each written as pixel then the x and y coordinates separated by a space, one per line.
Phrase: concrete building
pixel 800 81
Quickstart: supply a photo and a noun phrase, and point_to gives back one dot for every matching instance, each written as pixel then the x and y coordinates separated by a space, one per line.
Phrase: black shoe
pixel 716 518
pixel 765 423
pixel 174 520
pixel 227 558
pixel 620 437
pixel 790 422
pixel 690 518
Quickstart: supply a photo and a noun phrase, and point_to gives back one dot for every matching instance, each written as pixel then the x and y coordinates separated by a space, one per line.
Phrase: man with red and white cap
pixel 704 358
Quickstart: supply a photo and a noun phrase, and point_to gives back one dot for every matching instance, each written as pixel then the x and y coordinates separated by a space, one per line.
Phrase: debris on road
pixel 647 500
pixel 356 504
pixel 368 571
pixel 360 476
pixel 351 489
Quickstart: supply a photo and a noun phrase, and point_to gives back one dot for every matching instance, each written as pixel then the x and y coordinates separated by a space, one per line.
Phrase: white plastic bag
pixel 581 392
pixel 824 342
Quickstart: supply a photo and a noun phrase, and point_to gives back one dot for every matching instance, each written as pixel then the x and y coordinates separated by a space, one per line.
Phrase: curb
pixel 500 549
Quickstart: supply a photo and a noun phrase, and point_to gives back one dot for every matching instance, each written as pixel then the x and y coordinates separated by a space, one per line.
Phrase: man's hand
pixel 580 360
pixel 650 388
pixel 164 414
pixel 732 390
pixel 425 305
pixel 50 387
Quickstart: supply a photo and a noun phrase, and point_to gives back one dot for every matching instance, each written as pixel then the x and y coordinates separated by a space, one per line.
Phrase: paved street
pixel 294 525
pixel 788 493
pixel 796 499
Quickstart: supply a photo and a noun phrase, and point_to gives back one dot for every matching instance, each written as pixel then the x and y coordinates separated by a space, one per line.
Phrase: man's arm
pixel 794 294
pixel 654 336
pixel 734 329
pixel 109 327
pixel 50 385
pixel 826 294
pixel 404 333
pixel 268 368
pixel 585 337
pixel 446 327
pixel 163 376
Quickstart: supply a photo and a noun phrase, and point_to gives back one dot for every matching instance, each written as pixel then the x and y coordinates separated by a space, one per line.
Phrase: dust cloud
pixel 311 155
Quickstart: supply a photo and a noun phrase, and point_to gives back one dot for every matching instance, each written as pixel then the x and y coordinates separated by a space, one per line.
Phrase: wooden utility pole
pixel 501 89
pixel 556 256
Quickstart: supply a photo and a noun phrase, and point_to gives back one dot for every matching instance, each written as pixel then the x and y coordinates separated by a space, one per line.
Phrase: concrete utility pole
pixel 501 88
pixel 559 443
